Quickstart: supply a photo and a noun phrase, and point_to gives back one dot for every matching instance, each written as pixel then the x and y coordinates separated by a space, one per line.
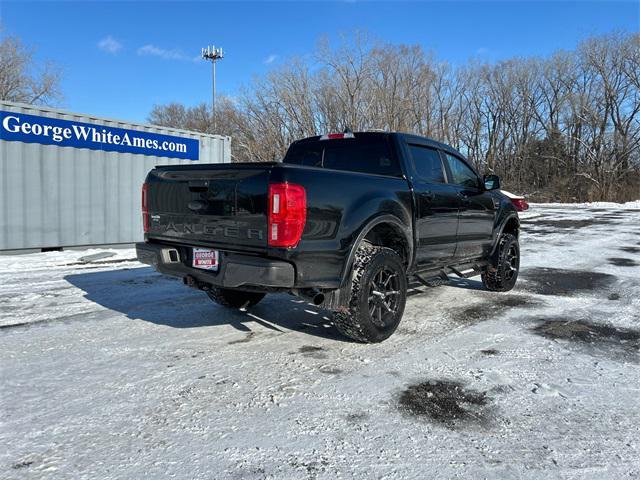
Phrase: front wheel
pixel 502 273
pixel 377 297
pixel 228 297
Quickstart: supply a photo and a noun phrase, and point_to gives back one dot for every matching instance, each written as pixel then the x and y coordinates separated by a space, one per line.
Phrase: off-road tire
pixel 228 297
pixel 355 320
pixel 502 273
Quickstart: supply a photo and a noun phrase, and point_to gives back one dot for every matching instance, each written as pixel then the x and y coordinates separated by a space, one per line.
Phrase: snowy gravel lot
pixel 109 370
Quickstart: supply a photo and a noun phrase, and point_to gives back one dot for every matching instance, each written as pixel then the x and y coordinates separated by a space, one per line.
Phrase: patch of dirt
pixel 630 249
pixel 596 338
pixel 309 349
pixel 490 352
pixel 557 281
pixel 358 417
pixel 502 389
pixel 492 308
pixel 622 262
pixel 312 351
pixel 312 469
pixel 329 370
pixel 513 301
pixel 445 402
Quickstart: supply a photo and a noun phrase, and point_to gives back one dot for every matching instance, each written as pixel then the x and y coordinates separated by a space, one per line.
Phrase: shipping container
pixel 69 179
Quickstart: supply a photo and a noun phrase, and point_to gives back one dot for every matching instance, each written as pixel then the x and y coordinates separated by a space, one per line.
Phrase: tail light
pixel 287 214
pixel 145 207
pixel 520 204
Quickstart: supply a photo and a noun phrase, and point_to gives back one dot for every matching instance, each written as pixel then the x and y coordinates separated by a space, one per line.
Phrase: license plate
pixel 205 259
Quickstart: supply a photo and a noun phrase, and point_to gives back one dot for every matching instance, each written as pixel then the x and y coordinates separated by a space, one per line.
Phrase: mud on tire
pixel 231 298
pixel 378 292
pixel 502 273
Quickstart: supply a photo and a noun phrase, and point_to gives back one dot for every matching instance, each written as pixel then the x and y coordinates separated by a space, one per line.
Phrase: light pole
pixel 212 53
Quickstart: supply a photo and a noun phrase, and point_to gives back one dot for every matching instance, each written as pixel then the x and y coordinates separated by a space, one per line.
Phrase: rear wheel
pixel 502 273
pixel 377 296
pixel 231 298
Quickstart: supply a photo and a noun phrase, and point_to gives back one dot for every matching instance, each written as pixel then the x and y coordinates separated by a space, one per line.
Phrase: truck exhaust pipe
pixel 311 295
pixel 191 282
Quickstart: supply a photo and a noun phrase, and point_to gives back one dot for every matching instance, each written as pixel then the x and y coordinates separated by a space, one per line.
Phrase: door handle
pixel 463 196
pixel 428 195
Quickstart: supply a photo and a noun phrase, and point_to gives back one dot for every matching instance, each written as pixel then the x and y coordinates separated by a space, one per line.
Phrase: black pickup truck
pixel 344 221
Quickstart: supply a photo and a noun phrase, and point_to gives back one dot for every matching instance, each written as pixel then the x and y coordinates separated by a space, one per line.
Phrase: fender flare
pixel 498 231
pixel 405 231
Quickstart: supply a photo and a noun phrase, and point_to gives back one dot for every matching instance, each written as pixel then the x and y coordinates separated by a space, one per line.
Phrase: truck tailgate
pixel 219 206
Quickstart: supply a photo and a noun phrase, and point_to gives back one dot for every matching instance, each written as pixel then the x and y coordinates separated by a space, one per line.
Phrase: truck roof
pixel 408 137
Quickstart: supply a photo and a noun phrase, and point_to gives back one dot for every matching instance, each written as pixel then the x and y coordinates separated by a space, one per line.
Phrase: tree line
pixel 565 127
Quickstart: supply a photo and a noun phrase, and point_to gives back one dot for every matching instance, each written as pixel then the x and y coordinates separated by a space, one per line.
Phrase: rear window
pixel 365 153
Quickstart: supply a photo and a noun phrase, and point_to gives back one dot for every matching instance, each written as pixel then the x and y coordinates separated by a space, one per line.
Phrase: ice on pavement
pixel 110 370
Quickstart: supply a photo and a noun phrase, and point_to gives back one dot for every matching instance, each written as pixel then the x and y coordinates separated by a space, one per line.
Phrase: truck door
pixel 436 208
pixel 477 211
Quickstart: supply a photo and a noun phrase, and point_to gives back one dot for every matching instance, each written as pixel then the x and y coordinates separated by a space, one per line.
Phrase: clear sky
pixel 121 58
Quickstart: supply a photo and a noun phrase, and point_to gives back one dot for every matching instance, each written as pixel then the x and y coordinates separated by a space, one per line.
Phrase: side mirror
pixel 491 182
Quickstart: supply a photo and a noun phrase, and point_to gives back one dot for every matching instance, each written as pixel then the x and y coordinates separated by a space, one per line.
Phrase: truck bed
pixel 225 207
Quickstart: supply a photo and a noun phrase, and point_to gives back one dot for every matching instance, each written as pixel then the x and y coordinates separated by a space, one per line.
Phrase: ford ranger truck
pixel 345 221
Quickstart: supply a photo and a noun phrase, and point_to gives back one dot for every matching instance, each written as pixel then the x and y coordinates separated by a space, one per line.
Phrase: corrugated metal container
pixel 85 193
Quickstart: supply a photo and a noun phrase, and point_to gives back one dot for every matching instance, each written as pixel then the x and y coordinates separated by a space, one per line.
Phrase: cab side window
pixel 427 163
pixel 461 174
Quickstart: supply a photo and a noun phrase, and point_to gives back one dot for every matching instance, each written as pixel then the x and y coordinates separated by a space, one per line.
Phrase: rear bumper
pixel 235 270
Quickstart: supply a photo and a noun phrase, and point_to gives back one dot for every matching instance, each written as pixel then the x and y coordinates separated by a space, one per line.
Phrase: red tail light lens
pixel 145 208
pixel 287 214
pixel 520 204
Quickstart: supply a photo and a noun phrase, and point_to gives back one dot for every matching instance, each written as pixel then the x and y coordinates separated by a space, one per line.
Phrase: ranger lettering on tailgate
pixel 216 229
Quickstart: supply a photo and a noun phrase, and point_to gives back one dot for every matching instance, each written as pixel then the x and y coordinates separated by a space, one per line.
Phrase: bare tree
pixel 21 80
pixel 566 127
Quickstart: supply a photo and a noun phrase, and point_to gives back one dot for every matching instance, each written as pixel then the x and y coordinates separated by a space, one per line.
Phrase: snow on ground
pixel 633 205
pixel 110 370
